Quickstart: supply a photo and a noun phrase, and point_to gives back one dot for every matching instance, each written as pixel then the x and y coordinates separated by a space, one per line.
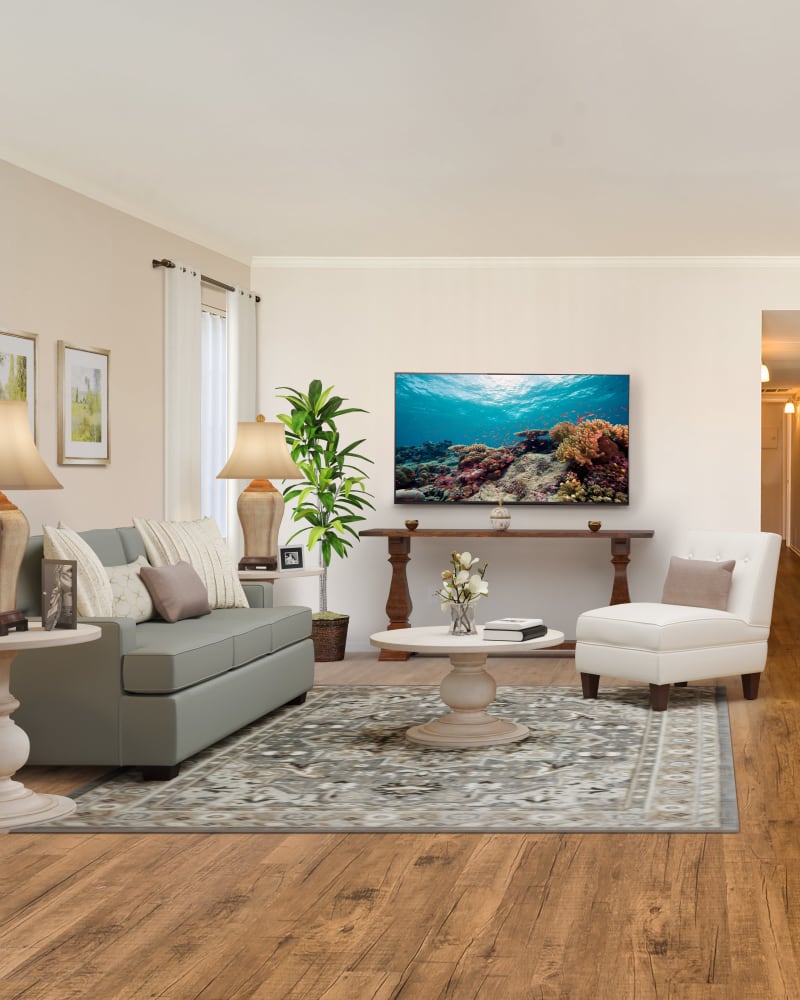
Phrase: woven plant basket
pixel 330 637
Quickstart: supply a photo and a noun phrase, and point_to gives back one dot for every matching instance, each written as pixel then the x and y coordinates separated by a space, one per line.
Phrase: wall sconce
pixel 789 408
pixel 764 373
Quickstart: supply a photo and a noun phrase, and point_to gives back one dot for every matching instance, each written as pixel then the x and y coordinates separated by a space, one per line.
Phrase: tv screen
pixel 522 439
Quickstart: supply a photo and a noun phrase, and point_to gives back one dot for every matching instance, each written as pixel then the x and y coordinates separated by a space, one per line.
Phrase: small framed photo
pixel 18 370
pixel 291 556
pixel 59 579
pixel 82 405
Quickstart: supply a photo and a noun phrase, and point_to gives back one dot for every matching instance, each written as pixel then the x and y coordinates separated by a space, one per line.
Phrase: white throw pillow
pixel 94 597
pixel 131 597
pixel 201 545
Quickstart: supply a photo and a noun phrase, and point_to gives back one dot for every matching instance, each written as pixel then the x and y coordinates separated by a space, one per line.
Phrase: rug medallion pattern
pixel 341 762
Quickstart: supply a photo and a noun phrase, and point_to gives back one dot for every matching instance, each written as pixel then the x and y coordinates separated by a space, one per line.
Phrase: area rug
pixel 341 762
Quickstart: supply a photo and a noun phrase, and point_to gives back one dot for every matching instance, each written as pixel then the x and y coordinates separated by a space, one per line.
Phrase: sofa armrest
pixel 70 696
pixel 123 628
pixel 258 593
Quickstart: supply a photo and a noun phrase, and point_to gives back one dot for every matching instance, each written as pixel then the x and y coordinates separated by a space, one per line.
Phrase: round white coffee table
pixel 19 806
pixel 468 689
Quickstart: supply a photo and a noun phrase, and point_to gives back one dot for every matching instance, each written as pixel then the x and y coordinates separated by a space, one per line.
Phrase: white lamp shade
pixel 260 452
pixel 21 465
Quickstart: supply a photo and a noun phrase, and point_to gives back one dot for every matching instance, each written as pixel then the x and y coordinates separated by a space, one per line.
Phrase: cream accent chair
pixel 665 644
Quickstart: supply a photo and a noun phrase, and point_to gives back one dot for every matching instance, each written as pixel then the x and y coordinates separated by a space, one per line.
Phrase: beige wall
pixel 75 270
pixel 688 333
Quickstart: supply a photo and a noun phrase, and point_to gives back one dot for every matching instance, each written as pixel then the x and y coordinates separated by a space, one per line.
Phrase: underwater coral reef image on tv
pixel 522 439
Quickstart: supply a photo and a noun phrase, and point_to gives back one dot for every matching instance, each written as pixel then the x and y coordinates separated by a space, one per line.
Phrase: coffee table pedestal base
pixel 468 689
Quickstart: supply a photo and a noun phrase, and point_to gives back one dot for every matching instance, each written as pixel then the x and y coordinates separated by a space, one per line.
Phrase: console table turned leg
pixel 398 606
pixel 620 557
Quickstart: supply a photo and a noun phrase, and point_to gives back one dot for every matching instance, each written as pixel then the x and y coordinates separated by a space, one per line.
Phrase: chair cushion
pixel 664 627
pixel 698 583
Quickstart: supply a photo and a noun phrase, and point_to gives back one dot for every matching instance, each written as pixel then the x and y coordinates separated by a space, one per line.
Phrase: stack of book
pixel 514 629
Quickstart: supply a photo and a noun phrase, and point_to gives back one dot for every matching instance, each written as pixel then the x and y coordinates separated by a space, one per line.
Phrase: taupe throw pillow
pixel 177 591
pixel 698 583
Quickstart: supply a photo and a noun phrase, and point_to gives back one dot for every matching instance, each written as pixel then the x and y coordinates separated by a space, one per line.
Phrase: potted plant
pixel 329 498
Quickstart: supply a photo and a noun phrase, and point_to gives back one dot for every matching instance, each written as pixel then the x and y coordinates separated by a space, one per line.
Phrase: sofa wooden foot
pixel 750 686
pixel 160 772
pixel 659 697
pixel 590 684
pixel 299 699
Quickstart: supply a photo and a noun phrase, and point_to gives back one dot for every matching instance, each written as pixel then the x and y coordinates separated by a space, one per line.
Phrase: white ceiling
pixel 418 127
pixel 421 127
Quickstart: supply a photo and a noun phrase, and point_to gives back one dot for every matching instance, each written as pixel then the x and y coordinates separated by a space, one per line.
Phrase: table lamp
pixel 21 468
pixel 260 453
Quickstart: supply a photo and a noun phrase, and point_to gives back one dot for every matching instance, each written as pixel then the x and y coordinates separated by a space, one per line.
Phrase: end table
pixel 20 806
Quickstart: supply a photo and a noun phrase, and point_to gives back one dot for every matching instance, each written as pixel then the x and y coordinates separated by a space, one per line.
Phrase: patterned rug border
pixel 728 805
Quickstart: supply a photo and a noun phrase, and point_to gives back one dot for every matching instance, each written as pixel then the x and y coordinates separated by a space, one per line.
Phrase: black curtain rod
pixel 209 281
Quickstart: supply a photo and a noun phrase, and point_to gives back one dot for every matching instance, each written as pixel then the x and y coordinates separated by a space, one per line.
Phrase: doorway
pixel 780 430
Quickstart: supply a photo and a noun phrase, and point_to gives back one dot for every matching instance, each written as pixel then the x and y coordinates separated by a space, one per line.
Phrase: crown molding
pixel 521 263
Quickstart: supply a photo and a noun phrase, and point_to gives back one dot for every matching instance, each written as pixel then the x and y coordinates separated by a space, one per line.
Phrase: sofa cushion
pixel 664 627
pixel 257 631
pixel 177 591
pixel 94 595
pixel 131 597
pixel 170 656
pixel 200 544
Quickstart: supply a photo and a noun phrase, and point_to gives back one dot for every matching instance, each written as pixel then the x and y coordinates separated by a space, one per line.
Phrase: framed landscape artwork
pixel 82 405
pixel 18 370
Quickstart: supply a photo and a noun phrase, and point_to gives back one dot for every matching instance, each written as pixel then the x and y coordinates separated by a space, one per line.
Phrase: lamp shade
pixel 260 452
pixel 21 465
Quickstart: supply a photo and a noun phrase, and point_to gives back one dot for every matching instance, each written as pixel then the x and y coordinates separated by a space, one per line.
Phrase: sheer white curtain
pixel 242 391
pixel 182 407
pixel 214 419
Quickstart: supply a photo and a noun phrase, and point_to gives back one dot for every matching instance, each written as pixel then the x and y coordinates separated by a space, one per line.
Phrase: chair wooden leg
pixel 659 697
pixel 590 684
pixel 750 686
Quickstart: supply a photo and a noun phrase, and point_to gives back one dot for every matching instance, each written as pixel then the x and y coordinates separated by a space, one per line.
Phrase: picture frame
pixel 18 370
pixel 291 557
pixel 83 398
pixel 59 593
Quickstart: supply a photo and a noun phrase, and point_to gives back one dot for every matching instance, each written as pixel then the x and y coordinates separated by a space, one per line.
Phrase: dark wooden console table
pixel 398 606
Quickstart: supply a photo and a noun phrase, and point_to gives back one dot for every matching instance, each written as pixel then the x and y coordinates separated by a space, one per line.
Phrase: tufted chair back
pixel 753 583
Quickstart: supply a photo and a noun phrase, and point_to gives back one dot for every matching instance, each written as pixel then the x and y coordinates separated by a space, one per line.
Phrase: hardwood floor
pixel 423 917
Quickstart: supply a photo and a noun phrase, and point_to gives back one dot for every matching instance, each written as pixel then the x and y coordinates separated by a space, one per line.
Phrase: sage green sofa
pixel 149 695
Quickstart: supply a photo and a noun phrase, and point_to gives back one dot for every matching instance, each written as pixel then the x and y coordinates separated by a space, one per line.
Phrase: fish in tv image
pixel 522 439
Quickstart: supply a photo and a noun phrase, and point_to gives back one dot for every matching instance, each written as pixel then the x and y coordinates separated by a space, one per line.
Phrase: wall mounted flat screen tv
pixel 522 439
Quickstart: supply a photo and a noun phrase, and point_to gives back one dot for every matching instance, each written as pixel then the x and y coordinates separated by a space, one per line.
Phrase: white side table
pixel 19 806
pixel 468 689
pixel 274 575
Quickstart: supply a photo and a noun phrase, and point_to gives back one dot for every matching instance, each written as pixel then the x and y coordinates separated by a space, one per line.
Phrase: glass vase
pixel 462 619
